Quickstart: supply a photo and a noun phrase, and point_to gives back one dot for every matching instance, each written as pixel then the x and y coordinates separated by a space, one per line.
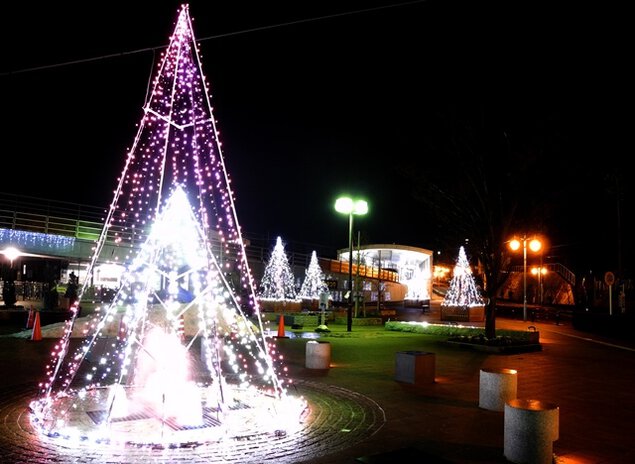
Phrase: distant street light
pixel 11 253
pixel 534 245
pixel 539 271
pixel 346 205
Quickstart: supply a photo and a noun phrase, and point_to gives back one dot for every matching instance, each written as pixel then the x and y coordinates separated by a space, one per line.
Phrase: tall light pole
pixel 534 245
pixel 346 205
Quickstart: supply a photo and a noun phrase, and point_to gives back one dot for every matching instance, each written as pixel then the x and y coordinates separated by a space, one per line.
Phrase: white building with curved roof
pixel 412 264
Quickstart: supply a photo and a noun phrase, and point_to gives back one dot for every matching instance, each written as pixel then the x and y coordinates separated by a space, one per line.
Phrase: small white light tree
pixel 313 284
pixel 462 291
pixel 277 280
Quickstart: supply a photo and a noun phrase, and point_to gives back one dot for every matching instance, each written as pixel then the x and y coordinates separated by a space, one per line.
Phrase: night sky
pixel 318 98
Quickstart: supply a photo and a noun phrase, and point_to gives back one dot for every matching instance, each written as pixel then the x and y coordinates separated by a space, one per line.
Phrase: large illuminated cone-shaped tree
pixel 184 287
pixel 313 284
pixel 278 282
pixel 462 291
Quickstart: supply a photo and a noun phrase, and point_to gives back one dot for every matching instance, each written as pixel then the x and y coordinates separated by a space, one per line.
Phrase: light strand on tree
pixel 462 291
pixel 313 284
pixel 278 282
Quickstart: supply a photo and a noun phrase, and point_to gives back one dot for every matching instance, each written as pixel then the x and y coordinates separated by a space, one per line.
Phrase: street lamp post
pixel 346 205
pixel 534 245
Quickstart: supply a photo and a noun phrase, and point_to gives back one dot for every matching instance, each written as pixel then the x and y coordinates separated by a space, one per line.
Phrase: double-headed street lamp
pixel 346 205
pixel 534 245
pixel 539 271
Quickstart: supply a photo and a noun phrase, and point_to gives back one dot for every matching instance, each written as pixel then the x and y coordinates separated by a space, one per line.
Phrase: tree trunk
pixel 490 318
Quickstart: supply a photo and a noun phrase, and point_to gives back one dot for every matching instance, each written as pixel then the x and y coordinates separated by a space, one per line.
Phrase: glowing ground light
pixel 184 420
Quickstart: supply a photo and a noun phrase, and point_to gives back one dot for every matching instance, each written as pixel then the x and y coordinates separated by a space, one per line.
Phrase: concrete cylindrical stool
pixel 497 387
pixel 318 355
pixel 531 427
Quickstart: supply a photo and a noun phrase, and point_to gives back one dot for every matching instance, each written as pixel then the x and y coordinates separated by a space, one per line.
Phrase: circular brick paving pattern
pixel 336 419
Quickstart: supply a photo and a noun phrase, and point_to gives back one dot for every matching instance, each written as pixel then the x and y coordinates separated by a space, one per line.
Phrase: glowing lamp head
pixel 11 253
pixel 535 245
pixel 514 244
pixel 346 205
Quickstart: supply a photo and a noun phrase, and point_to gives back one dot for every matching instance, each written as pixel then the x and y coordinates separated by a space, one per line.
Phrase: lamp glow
pixel 11 253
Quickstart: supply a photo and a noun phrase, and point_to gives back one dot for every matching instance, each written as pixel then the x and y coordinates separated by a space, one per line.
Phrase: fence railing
pixel 558 268
pixel 85 222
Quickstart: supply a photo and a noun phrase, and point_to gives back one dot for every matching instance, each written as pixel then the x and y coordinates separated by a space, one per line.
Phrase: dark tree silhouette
pixel 8 293
pixel 478 182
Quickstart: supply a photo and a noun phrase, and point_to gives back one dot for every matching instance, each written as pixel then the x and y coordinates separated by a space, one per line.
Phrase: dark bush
pixel 8 293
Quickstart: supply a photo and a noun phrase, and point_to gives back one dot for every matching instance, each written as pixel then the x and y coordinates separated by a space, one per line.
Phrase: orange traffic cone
pixel 281 327
pixel 37 330
pixel 29 319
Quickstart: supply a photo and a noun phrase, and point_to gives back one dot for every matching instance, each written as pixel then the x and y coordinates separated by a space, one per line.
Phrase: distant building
pixel 407 271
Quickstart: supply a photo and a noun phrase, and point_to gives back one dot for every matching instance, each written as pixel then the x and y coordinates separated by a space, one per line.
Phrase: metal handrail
pixel 85 222
pixel 558 268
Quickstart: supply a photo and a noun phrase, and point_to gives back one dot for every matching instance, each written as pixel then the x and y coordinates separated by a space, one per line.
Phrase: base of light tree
pixel 280 306
pixel 463 313
pixel 310 304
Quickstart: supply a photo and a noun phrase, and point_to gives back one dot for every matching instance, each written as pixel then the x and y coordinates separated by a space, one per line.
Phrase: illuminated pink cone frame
pixel 180 356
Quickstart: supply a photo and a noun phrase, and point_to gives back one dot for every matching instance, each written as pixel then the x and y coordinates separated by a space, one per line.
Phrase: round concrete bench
pixel 497 387
pixel 318 355
pixel 531 427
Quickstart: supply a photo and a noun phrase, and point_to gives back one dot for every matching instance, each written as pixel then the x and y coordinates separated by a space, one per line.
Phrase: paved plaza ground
pixel 590 378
